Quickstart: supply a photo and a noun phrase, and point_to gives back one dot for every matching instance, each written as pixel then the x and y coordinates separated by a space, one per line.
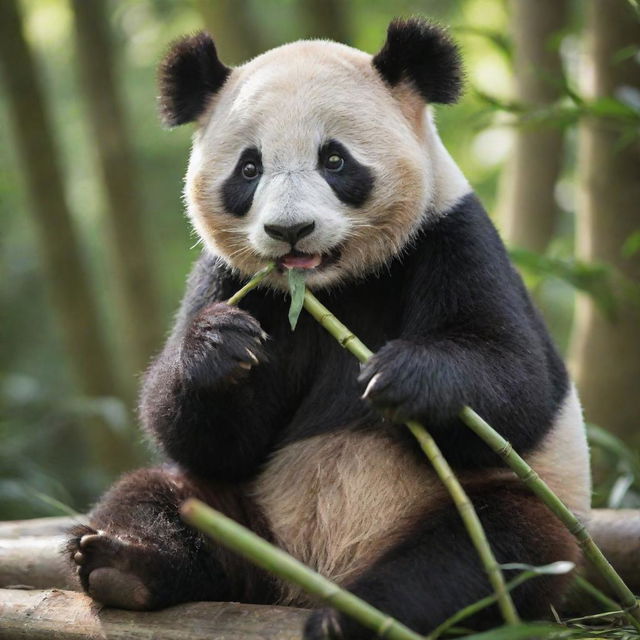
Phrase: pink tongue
pixel 301 262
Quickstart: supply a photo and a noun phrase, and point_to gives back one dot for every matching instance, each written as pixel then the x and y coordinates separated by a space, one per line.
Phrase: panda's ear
pixel 423 55
pixel 187 77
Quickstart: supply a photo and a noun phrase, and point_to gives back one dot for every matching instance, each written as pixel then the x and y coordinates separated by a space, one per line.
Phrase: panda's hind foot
pixel 109 568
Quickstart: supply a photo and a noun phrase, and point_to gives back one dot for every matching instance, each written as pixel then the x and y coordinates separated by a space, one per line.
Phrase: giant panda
pixel 325 158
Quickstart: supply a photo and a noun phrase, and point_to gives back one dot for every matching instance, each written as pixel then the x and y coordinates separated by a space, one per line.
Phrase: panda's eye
pixel 334 162
pixel 250 170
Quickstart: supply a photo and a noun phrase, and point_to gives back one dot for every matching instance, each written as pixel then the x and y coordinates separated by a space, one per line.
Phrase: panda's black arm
pixel 469 335
pixel 199 397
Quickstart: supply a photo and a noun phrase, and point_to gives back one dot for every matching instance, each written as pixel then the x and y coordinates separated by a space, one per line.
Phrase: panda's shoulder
pixel 462 244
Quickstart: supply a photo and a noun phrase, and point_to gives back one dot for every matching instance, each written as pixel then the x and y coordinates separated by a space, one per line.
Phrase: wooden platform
pixel 40 599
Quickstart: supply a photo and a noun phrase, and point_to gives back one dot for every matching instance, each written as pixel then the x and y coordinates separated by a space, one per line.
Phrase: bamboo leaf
pixel 528 631
pixel 553 569
pixel 296 289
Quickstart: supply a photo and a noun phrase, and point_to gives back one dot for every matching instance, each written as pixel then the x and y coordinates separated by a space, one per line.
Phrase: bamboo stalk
pixel 252 284
pixel 263 554
pixel 477 606
pixel 465 507
pixel 532 480
pixel 596 594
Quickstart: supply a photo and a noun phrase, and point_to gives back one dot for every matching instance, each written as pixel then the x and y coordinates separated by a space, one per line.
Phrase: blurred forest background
pixel 95 247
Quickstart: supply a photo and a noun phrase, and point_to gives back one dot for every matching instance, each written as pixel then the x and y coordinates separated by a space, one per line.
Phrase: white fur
pixel 288 102
pixel 563 459
pixel 338 501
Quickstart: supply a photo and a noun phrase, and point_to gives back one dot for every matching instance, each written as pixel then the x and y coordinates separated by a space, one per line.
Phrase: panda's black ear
pixel 424 55
pixel 187 77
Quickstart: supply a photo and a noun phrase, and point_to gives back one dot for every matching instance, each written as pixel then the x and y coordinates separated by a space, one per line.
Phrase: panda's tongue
pixel 300 260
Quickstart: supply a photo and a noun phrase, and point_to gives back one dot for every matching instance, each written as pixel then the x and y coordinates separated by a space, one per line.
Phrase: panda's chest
pixel 338 501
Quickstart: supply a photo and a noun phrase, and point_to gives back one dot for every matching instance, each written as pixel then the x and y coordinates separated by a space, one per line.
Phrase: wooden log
pixel 36 563
pixel 34 559
pixel 65 615
pixel 617 533
pixel 39 526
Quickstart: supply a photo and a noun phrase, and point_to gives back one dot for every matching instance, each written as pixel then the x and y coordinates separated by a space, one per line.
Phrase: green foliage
pixel 296 289
pixel 592 279
pixel 618 467
pixel 631 245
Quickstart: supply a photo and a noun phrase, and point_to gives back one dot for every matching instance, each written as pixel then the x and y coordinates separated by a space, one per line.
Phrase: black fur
pixel 187 77
pixel 354 182
pixel 237 191
pixel 145 540
pixel 450 322
pixel 424 55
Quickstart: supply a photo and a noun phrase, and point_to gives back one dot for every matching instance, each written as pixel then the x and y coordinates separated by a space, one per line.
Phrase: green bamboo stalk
pixel 477 606
pixel 596 594
pixel 252 284
pixel 465 507
pixel 531 479
pixel 263 554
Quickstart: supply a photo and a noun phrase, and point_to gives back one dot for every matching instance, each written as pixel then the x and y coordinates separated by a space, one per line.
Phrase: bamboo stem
pixel 252 284
pixel 465 507
pixel 532 480
pixel 596 594
pixel 263 554
pixel 477 606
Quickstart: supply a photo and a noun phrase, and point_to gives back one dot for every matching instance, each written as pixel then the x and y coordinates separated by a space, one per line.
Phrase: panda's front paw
pixel 407 381
pixel 329 624
pixel 222 344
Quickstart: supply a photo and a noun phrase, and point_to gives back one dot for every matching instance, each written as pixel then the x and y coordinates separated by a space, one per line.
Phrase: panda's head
pixel 313 154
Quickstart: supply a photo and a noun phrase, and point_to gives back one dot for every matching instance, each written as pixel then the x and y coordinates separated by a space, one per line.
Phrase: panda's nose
pixel 290 234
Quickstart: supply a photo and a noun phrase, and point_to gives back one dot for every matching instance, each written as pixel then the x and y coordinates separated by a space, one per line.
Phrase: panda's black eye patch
pixel 350 180
pixel 239 187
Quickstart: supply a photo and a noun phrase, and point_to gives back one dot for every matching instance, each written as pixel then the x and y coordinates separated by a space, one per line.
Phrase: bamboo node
pixel 632 608
pixel 329 591
pixel 579 529
pixel 387 623
pixel 506 450
pixel 346 339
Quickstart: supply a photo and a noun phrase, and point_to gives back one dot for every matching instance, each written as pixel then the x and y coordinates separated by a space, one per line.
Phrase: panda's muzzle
pixel 292 233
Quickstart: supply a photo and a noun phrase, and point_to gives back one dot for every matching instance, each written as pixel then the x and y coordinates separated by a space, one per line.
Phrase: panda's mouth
pixel 300 260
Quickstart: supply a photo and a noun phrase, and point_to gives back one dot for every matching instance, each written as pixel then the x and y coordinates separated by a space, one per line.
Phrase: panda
pixel 324 158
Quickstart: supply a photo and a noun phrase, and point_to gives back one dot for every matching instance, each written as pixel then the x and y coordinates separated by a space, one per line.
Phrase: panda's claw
pixel 371 384
pixel 88 539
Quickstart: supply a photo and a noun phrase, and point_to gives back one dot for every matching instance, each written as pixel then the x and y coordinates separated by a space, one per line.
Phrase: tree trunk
pixel 527 206
pixel 63 265
pixel 606 354
pixel 229 23
pixel 135 279
pixel 326 19
pixel 64 615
